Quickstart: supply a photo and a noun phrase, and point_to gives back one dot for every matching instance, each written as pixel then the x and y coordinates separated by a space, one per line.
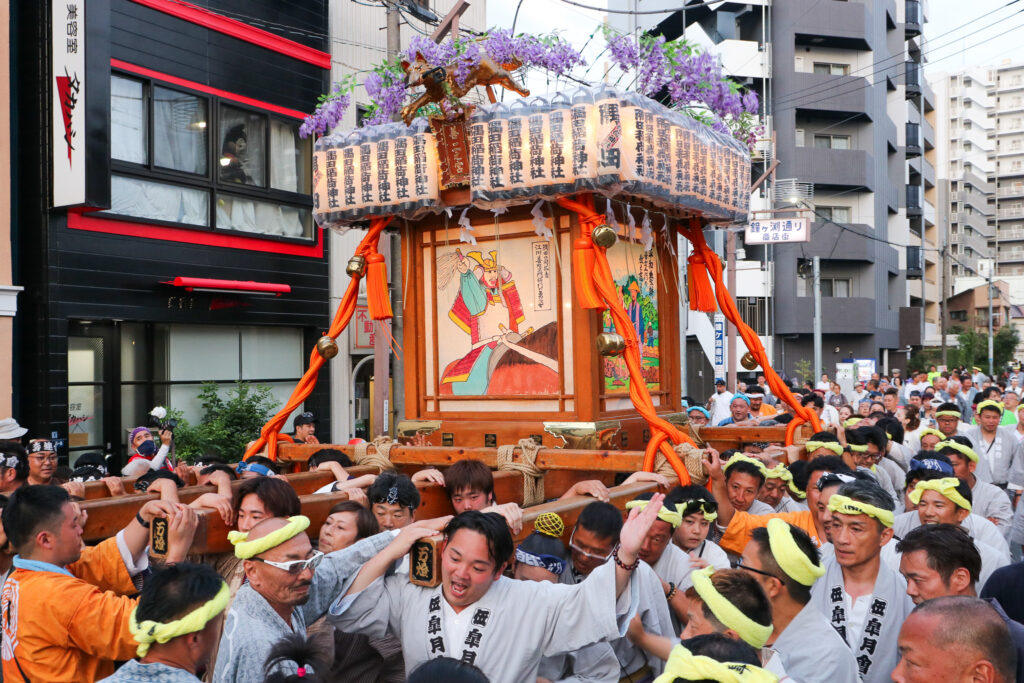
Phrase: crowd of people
pixel 881 549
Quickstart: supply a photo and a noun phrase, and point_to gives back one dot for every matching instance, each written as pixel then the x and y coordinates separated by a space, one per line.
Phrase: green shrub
pixel 229 423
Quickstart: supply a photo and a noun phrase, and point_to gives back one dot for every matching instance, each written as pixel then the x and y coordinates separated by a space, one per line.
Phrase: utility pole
pixel 990 359
pixel 943 292
pixel 730 282
pixel 381 347
pixel 817 319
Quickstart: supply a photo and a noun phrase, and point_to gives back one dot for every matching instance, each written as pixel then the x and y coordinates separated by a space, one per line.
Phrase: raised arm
pixel 631 538
pixel 396 550
pixel 713 464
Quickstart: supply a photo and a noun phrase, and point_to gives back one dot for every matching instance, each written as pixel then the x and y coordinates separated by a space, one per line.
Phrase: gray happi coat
pixel 514 624
pixel 252 627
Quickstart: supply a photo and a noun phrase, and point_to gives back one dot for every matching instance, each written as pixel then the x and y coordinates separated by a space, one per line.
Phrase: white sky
pixel 963 34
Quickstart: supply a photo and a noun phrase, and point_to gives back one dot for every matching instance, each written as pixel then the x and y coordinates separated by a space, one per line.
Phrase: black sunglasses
pixel 738 564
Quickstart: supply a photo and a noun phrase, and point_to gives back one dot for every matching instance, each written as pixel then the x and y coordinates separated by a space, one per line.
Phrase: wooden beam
pixel 549 458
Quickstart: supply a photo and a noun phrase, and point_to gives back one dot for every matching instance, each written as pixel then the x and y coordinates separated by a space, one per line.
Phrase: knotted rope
pixel 533 476
pixel 381 455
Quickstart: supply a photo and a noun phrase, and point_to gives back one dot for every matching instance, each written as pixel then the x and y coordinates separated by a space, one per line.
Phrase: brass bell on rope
pixel 356 266
pixel 604 236
pixel 610 344
pixel 748 361
pixel 327 347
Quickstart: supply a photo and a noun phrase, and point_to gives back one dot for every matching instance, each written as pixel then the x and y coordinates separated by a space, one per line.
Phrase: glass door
pixel 92 357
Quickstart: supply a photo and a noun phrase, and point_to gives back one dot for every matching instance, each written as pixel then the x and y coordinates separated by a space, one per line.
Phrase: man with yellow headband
pixel 175 624
pixel 778 490
pixel 1001 460
pixel 671 565
pixel 987 500
pixel 290 586
pixel 947 420
pixel 863 598
pixel 947 500
pixel 783 559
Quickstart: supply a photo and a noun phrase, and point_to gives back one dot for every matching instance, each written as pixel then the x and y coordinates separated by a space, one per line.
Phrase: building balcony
pixel 1011 235
pixel 977 242
pixel 914 18
pixel 1011 256
pixel 977 221
pixel 915 203
pixel 1015 190
pixel 913 80
pixel 914 140
pixel 834 168
pixel 831 23
pixel 842 96
pixel 839 315
pixel 1011 212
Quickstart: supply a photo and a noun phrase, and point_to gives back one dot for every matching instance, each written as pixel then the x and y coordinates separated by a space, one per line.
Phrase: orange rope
pixel 695 234
pixel 347 307
pixel 662 431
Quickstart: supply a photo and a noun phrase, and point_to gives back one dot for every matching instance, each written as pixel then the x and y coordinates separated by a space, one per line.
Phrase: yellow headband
pixel 672 517
pixel 149 632
pixel 946 487
pixel 751 632
pixel 788 555
pixel 948 413
pixel 245 549
pixel 708 516
pixel 833 446
pixel 990 404
pixel 850 421
pixel 684 664
pixel 780 472
pixel 847 506
pixel 959 448
pixel 857 448
pixel 930 432
pixel 740 457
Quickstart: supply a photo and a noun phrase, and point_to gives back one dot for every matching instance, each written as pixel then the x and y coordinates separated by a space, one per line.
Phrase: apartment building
pixel 964 130
pixel 846 109
pixel 1006 92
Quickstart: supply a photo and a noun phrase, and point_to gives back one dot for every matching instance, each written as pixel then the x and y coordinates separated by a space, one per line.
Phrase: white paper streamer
pixel 465 229
pixel 630 223
pixel 609 215
pixel 646 235
pixel 539 222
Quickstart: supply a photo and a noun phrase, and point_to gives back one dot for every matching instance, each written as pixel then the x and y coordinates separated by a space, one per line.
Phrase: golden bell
pixel 610 344
pixel 604 236
pixel 748 361
pixel 356 266
pixel 327 347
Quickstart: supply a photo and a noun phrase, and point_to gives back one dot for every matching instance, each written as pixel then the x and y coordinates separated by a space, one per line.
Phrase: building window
pixel 186 158
pixel 754 312
pixel 959 316
pixel 832 141
pixel 837 214
pixel 835 287
pixel 831 69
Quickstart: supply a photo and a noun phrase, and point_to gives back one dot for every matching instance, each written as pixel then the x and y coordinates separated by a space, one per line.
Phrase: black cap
pixel 720 381
pixel 304 419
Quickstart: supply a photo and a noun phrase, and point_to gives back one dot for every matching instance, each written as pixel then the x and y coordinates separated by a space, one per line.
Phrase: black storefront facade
pixel 193 257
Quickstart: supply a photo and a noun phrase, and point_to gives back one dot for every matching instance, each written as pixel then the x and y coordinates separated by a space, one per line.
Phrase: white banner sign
pixel 781 230
pixel 719 346
pixel 68 124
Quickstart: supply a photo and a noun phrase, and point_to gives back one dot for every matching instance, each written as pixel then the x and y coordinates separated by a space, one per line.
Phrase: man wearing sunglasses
pixel 591 545
pixel 290 586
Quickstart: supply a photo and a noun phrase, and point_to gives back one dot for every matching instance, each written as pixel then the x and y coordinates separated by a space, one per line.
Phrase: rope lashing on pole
pixel 380 308
pixel 712 266
pixel 595 288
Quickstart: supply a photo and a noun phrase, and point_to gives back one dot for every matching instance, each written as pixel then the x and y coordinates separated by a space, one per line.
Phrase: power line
pixel 869 84
pixel 637 12
pixel 901 56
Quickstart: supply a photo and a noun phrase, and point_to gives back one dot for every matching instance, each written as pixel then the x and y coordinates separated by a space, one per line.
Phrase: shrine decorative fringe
pixel 378 298
pixel 582 267
pixel 600 278
pixel 347 307
pixel 702 297
pixel 713 268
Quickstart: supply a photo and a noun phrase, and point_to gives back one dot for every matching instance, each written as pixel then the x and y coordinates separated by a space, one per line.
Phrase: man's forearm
pixel 725 508
pixel 371 571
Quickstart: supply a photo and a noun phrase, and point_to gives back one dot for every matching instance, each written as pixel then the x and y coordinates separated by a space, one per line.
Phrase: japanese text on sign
pixel 782 230
pixel 542 276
